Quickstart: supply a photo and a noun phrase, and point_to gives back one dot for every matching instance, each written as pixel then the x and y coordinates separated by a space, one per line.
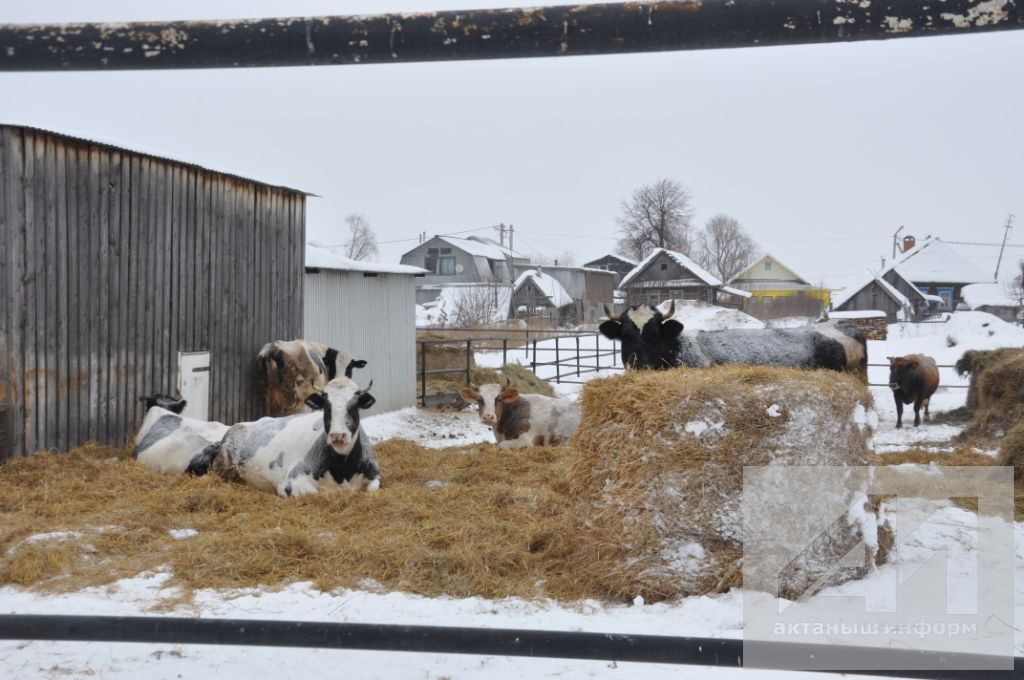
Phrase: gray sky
pixel 821 152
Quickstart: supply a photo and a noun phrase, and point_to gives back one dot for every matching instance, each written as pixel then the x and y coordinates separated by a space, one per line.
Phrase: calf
pixel 524 419
pixel 172 444
pixel 289 371
pixel 305 453
pixel 913 379
pixel 651 338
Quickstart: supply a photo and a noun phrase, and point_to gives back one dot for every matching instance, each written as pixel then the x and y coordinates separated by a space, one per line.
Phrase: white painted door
pixel 194 383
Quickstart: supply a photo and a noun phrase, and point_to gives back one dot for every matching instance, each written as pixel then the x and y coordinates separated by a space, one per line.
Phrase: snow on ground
pixel 715 616
pixel 433 429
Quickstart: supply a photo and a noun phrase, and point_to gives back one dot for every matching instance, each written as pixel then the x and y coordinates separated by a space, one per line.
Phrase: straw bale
pixel 660 469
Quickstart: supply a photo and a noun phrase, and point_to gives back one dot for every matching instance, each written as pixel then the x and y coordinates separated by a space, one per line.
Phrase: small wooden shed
pixel 126 274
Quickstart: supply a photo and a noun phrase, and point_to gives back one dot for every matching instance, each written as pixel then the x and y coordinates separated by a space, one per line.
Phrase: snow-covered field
pixel 717 616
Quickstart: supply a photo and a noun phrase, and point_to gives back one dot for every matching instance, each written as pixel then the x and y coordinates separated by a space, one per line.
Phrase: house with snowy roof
pixel 935 268
pixel 613 263
pixel 928 278
pixel 451 260
pixel 666 274
pixel 770 282
pixel 538 293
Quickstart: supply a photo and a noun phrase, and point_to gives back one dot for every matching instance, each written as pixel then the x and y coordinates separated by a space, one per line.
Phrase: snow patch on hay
pixel 660 471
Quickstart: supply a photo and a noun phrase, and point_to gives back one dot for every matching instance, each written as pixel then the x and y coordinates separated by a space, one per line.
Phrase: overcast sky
pixel 821 152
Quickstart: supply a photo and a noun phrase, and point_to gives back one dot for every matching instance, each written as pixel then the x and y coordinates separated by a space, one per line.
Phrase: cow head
pixel 901 372
pixel 341 401
pixel 491 399
pixel 648 335
pixel 164 401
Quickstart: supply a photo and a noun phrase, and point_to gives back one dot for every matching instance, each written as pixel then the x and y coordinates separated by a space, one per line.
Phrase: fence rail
pixel 618 647
pixel 885 384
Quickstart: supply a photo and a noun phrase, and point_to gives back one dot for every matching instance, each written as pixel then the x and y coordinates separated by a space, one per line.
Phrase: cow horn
pixel 671 310
pixel 368 387
pixel 611 315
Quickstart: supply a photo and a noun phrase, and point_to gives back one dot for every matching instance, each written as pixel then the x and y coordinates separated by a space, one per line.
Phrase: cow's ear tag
pixel 317 401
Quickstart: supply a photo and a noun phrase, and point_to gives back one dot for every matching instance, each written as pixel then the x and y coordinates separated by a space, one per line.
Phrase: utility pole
pixel 501 230
pixel 510 237
pixel 1006 235
pixel 895 241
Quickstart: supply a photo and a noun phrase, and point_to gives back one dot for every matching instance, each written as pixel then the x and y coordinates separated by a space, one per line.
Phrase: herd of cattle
pixel 312 440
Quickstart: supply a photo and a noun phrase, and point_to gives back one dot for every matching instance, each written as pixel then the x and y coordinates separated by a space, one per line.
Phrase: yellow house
pixel 770 282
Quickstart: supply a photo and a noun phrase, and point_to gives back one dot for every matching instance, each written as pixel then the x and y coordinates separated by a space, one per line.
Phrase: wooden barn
pixel 127 274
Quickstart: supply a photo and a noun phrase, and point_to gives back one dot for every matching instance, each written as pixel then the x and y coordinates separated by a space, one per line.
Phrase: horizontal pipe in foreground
pixel 612 28
pixel 488 641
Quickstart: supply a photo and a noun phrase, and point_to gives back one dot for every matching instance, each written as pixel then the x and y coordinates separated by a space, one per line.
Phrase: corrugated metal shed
pixel 113 262
pixel 369 311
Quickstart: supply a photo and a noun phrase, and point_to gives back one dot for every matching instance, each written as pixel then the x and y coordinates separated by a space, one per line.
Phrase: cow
pixel 523 419
pixel 171 443
pixel 288 371
pixel 652 339
pixel 305 453
pixel 913 379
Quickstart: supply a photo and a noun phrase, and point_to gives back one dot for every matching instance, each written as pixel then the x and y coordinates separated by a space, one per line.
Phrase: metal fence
pixel 560 357
pixel 941 383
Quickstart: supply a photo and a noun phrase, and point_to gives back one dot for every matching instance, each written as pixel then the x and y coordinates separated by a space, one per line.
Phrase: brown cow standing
pixel 913 379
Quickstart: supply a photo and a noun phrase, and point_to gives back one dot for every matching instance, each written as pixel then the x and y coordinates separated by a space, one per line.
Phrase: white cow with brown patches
pixel 520 420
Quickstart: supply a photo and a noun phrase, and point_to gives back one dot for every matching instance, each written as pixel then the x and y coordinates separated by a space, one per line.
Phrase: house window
pixel 654 299
pixel 766 299
pixel 440 261
pixel 446 265
pixel 767 265
pixel 664 266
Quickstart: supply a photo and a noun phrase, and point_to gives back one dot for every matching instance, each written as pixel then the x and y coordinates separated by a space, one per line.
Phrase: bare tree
pixel 656 216
pixel 724 248
pixel 363 243
pixel 1014 288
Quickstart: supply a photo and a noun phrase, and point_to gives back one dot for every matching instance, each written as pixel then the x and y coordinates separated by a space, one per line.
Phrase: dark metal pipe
pixel 617 28
pixel 489 641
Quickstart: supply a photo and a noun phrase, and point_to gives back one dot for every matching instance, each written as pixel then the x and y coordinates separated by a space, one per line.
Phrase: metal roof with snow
pixel 321 257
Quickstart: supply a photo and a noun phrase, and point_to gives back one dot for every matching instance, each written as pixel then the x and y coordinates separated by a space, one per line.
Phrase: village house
pixel 450 260
pixel 613 263
pixel 928 279
pixel 666 274
pixel 589 289
pixel 775 287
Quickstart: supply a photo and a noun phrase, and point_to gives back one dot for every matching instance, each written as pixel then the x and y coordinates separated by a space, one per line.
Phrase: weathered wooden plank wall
pixel 113 262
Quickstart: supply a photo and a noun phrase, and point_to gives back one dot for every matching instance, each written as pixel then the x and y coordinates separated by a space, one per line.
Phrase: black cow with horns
pixel 652 339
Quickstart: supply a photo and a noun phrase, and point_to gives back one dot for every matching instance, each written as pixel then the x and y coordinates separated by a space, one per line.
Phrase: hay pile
pixel 468 521
pixel 996 399
pixel 660 470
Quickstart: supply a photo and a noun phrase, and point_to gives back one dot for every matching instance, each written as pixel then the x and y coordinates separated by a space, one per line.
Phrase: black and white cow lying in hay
pixel 288 371
pixel 524 419
pixel 305 453
pixel 170 443
pixel 651 338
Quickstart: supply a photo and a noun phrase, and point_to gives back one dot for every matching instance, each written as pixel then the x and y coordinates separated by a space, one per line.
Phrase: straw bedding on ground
pixel 647 492
pixel 461 522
